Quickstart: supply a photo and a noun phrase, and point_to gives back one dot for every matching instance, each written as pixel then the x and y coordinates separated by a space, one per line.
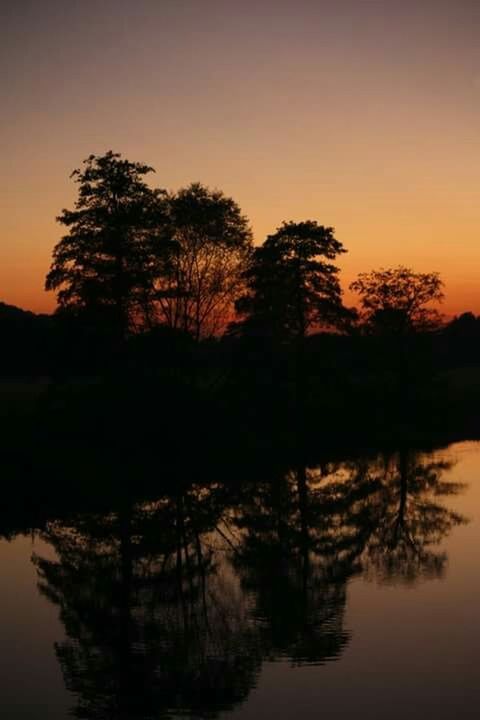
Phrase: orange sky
pixel 363 115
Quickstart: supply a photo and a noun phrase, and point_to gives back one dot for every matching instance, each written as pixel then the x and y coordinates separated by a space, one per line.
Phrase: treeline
pixel 43 346
pixel 167 290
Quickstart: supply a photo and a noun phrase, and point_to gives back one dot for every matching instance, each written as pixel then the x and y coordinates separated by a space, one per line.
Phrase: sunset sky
pixel 361 114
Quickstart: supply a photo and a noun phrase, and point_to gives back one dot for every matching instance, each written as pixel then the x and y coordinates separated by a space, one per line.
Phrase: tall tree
pixel 292 285
pixel 398 300
pixel 213 242
pixel 116 243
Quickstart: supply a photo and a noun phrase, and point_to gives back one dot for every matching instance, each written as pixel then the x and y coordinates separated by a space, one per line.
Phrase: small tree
pixel 213 243
pixel 115 246
pixel 396 308
pixel 292 287
pixel 397 301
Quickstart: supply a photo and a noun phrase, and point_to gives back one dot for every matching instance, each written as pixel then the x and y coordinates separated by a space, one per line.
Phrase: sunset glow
pixel 361 115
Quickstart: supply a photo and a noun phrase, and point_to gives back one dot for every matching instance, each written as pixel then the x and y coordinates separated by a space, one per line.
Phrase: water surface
pixel 347 589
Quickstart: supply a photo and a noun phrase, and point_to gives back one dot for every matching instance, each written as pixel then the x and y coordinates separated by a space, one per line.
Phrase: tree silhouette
pixel 116 244
pixel 461 338
pixel 213 244
pixel 397 301
pixel 397 312
pixel 291 285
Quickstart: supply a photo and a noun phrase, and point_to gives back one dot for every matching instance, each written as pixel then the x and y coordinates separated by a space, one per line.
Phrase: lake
pixel 347 589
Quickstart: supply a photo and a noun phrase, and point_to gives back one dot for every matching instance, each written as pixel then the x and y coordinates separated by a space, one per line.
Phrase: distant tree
pixel 461 340
pixel 292 285
pixel 26 339
pixel 115 247
pixel 398 300
pixel 213 243
pixel 464 327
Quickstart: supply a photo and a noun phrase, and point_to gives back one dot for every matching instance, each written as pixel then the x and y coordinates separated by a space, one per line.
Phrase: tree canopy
pixel 398 300
pixel 116 242
pixel 212 244
pixel 292 285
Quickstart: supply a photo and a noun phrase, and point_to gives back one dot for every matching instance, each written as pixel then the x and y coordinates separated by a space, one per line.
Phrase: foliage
pixel 397 300
pixel 291 285
pixel 213 243
pixel 115 246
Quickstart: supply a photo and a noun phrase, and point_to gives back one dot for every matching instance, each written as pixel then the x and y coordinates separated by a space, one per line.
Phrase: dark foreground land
pixel 95 438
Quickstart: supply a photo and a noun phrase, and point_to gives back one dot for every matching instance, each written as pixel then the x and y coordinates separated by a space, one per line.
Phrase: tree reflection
pixel 301 542
pixel 151 624
pixel 171 606
pixel 412 521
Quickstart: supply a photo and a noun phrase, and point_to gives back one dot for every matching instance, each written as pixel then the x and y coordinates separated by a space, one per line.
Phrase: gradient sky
pixel 362 114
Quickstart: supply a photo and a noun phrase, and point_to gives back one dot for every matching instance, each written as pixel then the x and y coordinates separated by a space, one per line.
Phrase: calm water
pixel 351 589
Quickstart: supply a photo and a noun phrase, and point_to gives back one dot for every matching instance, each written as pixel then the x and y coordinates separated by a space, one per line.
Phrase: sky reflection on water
pixel 332 591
